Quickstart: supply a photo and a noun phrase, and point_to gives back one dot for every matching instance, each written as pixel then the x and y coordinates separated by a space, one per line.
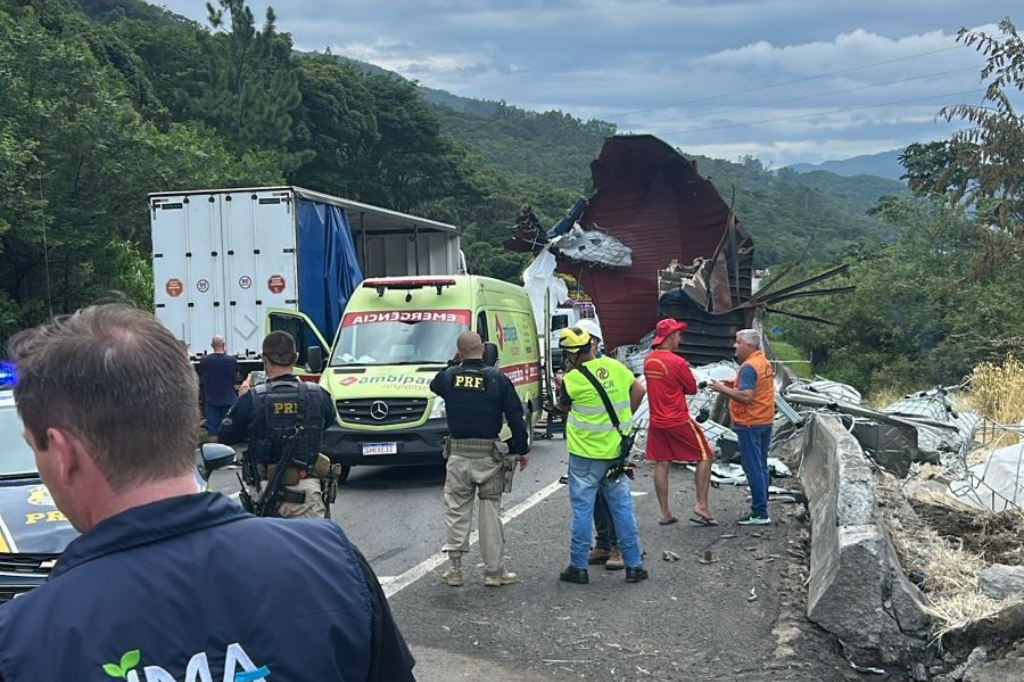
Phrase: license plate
pixel 380 448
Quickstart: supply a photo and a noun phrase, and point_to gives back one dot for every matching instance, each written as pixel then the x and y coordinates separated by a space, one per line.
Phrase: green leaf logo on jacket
pixel 129 660
pixel 237 666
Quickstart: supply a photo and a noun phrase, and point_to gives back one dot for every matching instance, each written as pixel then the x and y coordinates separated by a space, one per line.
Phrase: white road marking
pixel 396 584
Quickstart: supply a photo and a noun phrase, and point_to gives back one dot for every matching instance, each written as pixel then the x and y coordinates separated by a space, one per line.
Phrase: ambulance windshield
pixel 399 337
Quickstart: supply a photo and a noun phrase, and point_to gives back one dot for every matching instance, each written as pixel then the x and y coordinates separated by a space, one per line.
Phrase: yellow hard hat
pixel 574 339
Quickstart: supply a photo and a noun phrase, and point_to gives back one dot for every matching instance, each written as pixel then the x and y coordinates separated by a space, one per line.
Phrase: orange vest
pixel 762 409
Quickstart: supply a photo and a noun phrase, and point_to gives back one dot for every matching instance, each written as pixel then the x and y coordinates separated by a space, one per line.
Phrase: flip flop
pixel 699 520
pixel 668 522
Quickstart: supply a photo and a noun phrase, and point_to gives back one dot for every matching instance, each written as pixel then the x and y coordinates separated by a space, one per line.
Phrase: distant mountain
pixel 883 165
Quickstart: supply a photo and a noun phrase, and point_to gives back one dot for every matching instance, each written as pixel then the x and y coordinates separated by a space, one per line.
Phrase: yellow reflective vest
pixel 589 430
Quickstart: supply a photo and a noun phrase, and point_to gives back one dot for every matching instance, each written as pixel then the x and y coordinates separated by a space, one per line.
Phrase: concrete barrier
pixel 857 588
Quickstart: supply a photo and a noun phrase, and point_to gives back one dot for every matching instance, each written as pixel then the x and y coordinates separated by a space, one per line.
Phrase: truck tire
pixel 343 476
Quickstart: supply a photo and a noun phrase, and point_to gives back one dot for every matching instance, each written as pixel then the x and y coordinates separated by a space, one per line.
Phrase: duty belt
pixel 292 476
pixel 472 448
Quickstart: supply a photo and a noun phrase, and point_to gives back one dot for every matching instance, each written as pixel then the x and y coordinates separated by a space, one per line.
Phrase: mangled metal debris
pixel 925 427
pixel 650 215
pixel 593 246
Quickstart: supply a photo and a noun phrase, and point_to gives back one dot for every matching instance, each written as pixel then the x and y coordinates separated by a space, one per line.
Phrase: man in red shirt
pixel 673 435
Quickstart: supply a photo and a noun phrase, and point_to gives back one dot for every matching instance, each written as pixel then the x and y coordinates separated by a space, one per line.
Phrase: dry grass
pixel 951 571
pixel 960 610
pixel 997 391
pixel 951 575
pixel 884 397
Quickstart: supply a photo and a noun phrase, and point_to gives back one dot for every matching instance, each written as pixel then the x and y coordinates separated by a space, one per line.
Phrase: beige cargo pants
pixel 468 477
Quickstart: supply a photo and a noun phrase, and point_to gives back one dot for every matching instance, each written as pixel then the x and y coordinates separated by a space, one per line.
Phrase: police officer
pixel 476 396
pixel 284 413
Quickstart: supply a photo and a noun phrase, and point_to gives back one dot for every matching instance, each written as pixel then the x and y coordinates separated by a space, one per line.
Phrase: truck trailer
pixel 234 262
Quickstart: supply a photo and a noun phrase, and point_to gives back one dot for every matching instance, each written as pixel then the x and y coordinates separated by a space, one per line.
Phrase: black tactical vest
pixel 284 411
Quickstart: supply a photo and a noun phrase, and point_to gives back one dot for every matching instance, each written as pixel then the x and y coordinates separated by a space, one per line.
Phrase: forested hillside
pixel 793 216
pixel 107 100
pixel 946 294
pixel 883 165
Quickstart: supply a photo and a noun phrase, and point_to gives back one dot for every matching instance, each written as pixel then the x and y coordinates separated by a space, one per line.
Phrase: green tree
pixel 337 121
pixel 917 317
pixel 982 165
pixel 252 90
pixel 76 163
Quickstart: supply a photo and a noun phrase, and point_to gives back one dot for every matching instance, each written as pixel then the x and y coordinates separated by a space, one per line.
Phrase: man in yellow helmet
pixel 594 437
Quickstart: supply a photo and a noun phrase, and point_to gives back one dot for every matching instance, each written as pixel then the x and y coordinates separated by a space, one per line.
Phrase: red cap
pixel 665 328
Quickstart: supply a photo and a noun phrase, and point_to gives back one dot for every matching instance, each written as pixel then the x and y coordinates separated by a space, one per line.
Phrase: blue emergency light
pixel 8 374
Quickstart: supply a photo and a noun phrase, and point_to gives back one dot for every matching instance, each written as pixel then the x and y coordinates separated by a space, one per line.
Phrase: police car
pixel 33 532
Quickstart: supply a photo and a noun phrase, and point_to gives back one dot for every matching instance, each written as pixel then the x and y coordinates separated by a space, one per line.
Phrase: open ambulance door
pixel 314 351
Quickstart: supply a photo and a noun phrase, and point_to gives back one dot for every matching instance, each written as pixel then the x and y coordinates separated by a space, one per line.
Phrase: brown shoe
pixel 615 562
pixel 500 579
pixel 598 556
pixel 452 577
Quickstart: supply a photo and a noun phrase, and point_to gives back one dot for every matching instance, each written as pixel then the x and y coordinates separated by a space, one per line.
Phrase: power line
pixel 820 113
pixel 789 82
pixel 715 112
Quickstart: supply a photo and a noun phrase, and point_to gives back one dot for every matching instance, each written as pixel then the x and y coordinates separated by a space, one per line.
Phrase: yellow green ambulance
pixel 395 335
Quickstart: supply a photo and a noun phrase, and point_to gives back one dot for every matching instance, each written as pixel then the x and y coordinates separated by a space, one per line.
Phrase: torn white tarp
pixel 593 246
pixel 541 283
pixel 997 483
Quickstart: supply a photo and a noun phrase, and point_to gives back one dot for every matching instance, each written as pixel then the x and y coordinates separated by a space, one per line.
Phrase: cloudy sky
pixel 785 81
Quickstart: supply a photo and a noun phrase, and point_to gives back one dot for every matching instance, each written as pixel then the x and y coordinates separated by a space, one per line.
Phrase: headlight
pixel 438 411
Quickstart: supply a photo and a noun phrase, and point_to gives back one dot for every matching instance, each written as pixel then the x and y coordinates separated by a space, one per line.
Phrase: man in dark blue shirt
pixel 165 582
pixel 217 374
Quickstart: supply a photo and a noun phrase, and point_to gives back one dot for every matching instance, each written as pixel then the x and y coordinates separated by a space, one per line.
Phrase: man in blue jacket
pixel 164 582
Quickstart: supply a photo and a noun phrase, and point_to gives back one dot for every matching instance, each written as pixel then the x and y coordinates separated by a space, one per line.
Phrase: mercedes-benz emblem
pixel 378 409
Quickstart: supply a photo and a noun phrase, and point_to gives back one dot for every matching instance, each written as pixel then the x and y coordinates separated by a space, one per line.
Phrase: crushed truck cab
pixel 396 334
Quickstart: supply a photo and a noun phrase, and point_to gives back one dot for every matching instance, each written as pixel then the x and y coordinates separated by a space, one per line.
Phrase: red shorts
pixel 683 443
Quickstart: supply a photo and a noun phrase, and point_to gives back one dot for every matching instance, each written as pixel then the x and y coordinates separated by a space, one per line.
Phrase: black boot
pixel 575 575
pixel 635 575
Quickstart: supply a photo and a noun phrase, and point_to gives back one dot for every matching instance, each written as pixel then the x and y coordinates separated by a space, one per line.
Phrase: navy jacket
pixel 193 583
pixel 476 397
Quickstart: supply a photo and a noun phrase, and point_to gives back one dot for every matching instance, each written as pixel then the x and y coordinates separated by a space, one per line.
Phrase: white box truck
pixel 230 261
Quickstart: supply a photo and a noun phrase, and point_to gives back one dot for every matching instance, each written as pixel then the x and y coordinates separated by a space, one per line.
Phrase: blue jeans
pixel 754 442
pixel 586 479
pixel 604 527
pixel 214 416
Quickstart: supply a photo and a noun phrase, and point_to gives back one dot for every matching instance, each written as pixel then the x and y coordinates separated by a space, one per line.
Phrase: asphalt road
pixel 731 608
pixel 395 515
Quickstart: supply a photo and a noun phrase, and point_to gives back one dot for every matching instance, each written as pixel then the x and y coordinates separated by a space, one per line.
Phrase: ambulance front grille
pixel 381 411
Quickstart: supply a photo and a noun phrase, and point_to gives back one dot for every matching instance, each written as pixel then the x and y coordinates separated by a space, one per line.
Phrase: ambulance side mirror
pixel 315 359
pixel 491 354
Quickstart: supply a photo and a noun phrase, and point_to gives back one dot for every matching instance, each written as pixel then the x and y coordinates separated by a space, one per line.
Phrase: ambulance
pixel 395 335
